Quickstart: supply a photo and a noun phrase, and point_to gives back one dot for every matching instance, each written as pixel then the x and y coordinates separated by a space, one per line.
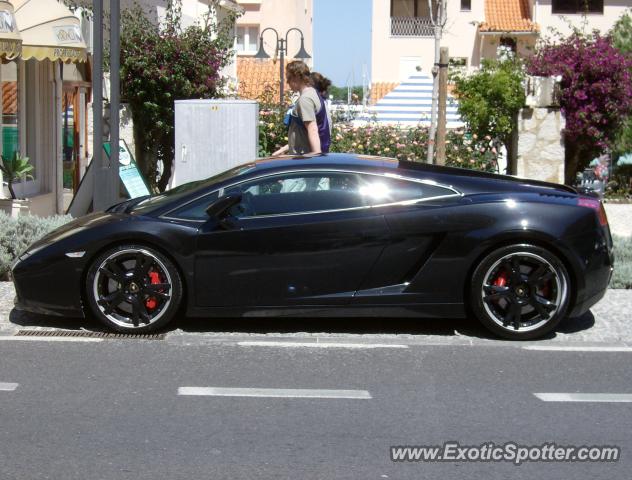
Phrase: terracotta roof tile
pixel 257 77
pixel 10 98
pixel 380 89
pixel 508 16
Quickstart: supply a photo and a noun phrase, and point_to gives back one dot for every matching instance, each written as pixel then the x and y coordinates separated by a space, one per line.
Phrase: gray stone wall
pixel 540 145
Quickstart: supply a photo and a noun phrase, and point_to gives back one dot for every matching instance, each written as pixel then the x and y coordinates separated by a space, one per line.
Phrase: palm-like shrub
pixel 14 169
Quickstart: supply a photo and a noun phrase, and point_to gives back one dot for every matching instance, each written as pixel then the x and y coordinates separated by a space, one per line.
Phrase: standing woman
pixel 323 118
pixel 303 130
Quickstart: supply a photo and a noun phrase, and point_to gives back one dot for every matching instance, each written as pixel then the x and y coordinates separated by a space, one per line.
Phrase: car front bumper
pixel 47 286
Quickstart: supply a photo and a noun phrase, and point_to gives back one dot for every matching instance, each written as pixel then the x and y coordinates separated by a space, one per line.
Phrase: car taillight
pixel 597 206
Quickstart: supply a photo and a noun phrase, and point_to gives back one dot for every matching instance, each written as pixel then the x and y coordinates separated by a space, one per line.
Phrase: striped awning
pixel 410 104
pixel 10 38
pixel 49 30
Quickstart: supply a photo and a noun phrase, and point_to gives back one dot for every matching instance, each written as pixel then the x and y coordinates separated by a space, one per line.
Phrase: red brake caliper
pixel 151 302
pixel 501 280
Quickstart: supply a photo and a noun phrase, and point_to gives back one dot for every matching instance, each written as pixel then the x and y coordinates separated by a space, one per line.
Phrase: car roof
pixel 403 167
pixel 325 160
pixel 359 161
pixel 466 180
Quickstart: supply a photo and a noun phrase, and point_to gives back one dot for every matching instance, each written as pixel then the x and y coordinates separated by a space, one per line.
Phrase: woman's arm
pixel 312 136
pixel 281 151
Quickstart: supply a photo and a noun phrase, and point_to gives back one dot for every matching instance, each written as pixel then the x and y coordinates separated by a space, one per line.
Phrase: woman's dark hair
pixel 320 82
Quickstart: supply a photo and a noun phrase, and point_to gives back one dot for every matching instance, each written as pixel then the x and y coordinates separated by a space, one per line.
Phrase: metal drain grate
pixel 84 334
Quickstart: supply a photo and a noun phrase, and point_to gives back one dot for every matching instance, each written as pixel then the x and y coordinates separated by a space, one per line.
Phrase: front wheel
pixel 133 288
pixel 520 292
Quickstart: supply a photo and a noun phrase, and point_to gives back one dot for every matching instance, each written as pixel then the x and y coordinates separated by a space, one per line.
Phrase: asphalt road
pixel 122 409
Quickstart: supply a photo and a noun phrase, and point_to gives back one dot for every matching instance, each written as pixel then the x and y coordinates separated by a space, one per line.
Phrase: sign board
pixel 128 171
pixel 7 22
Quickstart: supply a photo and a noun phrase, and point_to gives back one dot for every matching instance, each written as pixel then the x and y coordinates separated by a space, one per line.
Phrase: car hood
pixel 70 228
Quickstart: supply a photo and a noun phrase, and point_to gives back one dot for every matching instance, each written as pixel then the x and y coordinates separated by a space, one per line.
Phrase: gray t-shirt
pixel 304 110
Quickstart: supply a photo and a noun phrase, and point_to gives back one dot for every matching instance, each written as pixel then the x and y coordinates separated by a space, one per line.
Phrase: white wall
pixel 543 12
pixel 459 36
pixel 281 15
pixel 462 39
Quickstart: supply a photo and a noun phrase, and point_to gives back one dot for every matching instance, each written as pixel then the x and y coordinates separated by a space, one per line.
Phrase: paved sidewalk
pixel 608 322
pixel 620 218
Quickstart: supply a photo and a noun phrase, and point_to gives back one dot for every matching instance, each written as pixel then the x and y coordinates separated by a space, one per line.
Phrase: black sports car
pixel 330 235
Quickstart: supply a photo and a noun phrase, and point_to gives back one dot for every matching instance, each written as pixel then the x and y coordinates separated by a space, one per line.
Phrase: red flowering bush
pixel 462 150
pixel 272 130
pixel 596 92
pixel 163 63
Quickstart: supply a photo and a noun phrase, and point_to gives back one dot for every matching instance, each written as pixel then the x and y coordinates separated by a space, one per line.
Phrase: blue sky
pixel 342 39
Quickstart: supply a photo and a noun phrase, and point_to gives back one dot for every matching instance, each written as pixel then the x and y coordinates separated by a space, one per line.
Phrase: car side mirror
pixel 222 205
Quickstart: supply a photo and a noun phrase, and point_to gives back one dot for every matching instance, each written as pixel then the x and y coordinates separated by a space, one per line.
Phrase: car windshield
pixel 156 201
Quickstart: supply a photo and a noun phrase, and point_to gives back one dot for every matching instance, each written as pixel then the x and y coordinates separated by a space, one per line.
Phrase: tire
pixel 133 289
pixel 520 292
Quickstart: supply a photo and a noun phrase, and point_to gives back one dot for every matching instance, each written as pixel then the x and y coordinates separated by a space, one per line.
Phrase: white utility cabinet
pixel 213 136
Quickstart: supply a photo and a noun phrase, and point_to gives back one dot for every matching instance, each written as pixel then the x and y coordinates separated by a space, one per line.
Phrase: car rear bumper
pixel 586 304
pixel 597 276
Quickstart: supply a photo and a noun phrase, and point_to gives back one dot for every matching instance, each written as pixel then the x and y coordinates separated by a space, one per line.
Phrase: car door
pixel 295 238
pixel 417 213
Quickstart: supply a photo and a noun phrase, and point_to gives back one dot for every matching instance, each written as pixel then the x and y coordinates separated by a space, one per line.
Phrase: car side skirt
pixel 428 310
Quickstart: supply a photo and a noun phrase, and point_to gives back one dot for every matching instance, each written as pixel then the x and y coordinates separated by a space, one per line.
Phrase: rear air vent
pixel 557 195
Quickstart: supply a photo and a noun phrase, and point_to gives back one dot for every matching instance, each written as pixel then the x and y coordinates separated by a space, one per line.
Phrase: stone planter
pixel 15 208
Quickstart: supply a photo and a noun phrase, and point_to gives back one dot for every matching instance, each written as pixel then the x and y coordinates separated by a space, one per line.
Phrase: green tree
pixel 163 63
pixel 622 34
pixel 490 100
pixel 622 40
pixel 341 93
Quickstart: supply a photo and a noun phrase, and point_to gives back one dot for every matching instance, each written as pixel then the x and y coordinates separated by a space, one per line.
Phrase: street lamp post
pixel 281 47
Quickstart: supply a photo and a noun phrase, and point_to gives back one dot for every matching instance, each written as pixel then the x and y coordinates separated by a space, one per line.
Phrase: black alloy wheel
pixel 520 292
pixel 133 288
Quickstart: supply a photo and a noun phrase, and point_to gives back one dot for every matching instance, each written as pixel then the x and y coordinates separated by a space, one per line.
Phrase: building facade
pixel 47 73
pixel 403 36
pixel 46 90
pixel 255 76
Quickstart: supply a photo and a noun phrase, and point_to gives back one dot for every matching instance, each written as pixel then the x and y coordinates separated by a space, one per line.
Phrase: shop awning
pixel 49 30
pixel 10 39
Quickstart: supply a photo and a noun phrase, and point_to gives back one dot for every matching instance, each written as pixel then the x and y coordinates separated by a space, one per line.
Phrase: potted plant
pixel 17 168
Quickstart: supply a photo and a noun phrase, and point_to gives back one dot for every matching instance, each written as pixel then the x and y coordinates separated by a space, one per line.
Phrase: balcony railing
pixel 411 27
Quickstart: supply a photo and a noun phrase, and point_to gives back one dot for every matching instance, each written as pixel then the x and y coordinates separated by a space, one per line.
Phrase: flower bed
pixel 462 149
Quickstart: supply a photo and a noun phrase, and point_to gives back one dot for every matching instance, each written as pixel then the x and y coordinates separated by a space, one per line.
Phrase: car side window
pixel 298 193
pixel 384 190
pixel 195 210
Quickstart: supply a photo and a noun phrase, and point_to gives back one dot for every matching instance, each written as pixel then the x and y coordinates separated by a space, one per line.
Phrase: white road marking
pixel 557 348
pixel 320 345
pixel 8 387
pixel 274 393
pixel 50 339
pixel 585 397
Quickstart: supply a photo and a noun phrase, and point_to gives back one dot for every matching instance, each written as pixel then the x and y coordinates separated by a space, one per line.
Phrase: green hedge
pixel 16 234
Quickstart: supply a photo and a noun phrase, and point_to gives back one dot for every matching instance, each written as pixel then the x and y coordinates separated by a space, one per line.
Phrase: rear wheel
pixel 520 292
pixel 133 288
